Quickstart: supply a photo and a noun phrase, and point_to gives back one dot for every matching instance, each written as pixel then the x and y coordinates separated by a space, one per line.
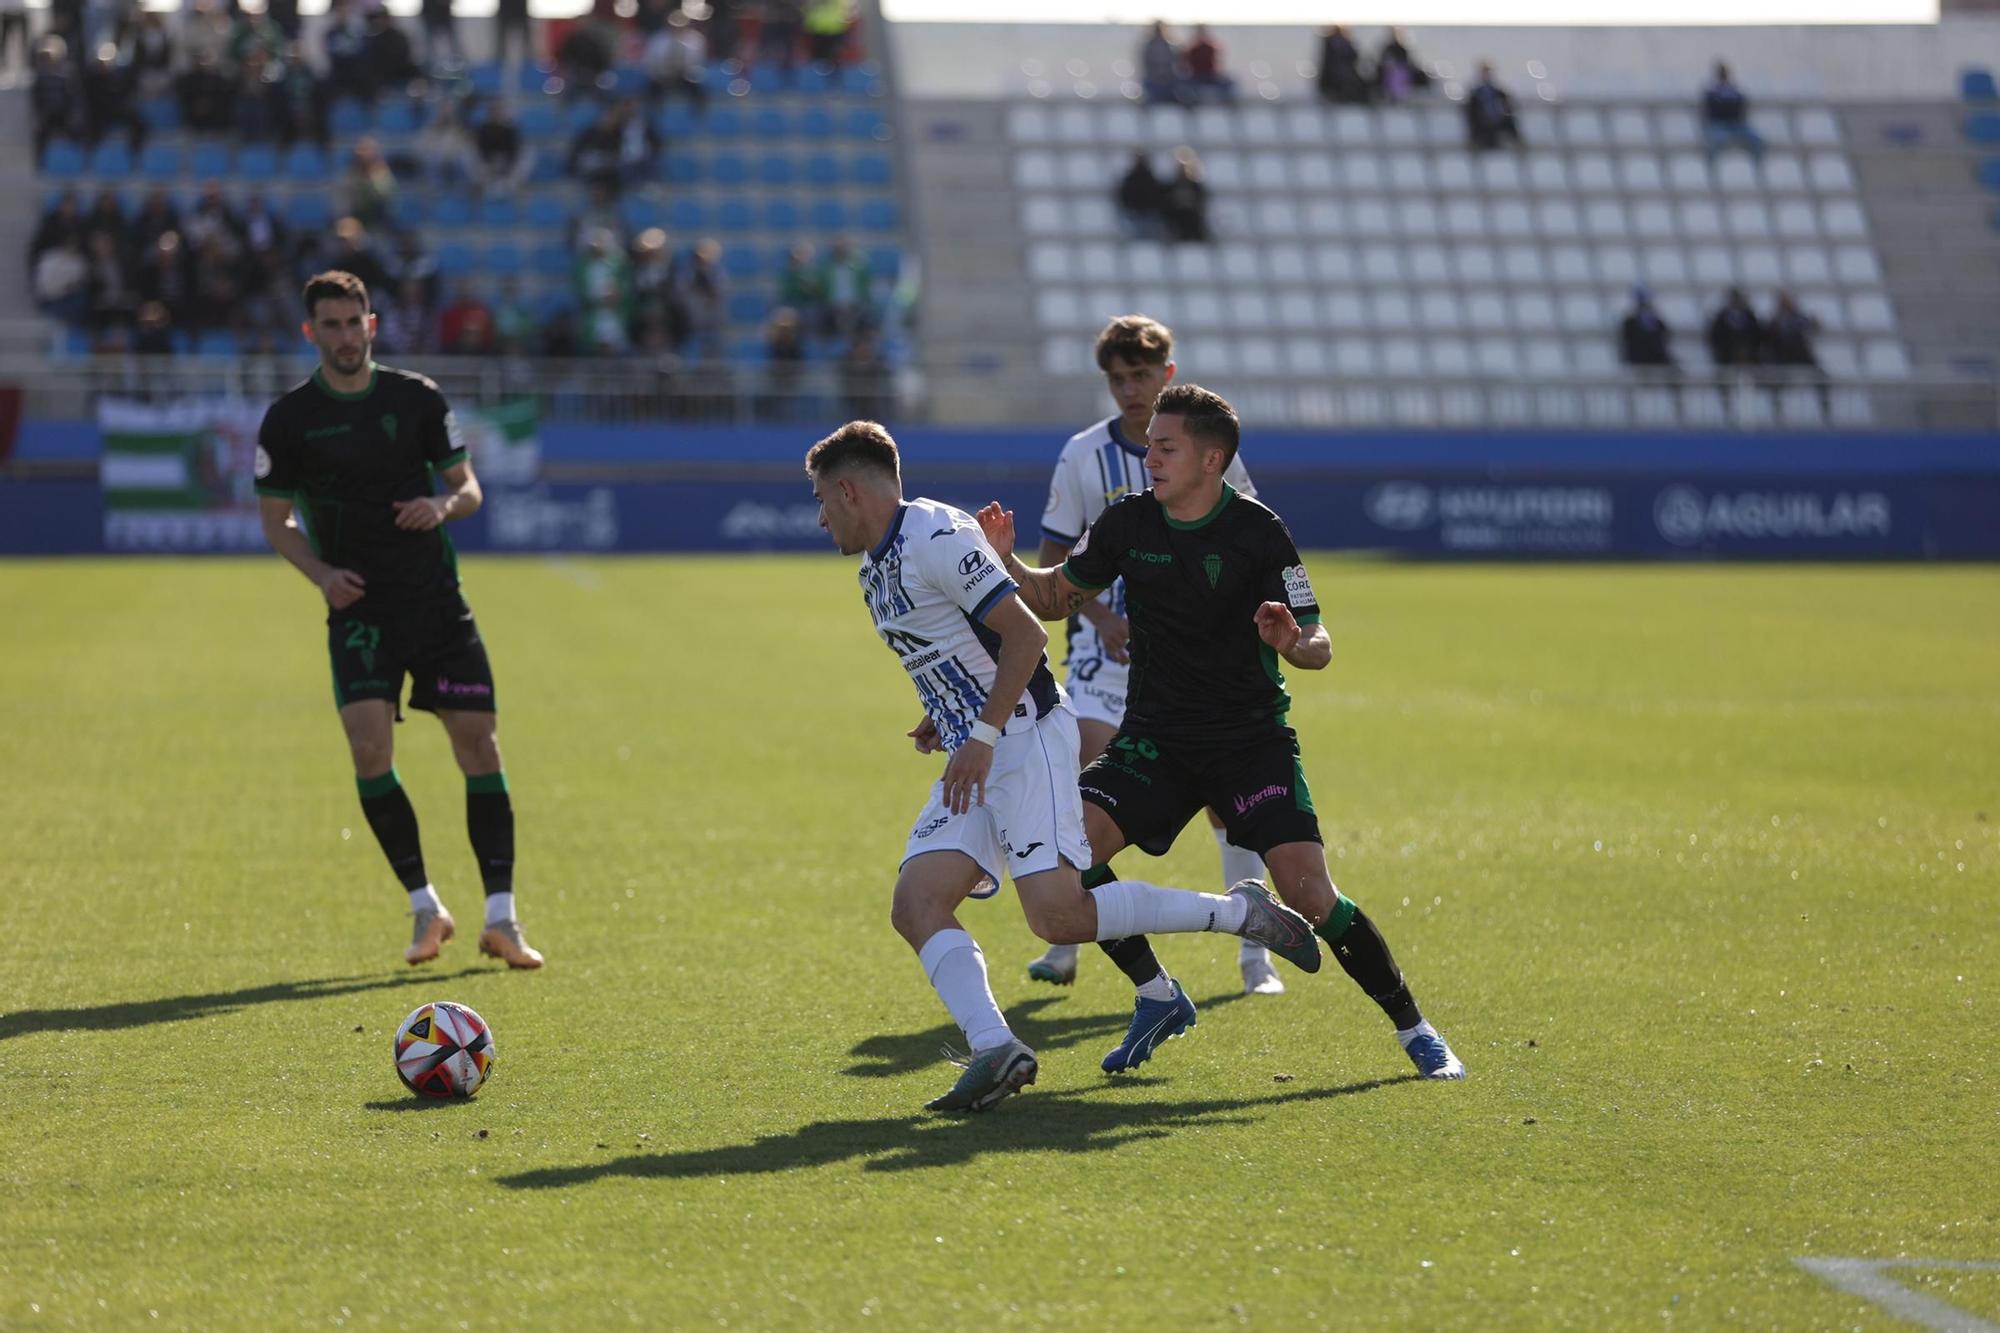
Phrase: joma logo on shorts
pixel 1257 798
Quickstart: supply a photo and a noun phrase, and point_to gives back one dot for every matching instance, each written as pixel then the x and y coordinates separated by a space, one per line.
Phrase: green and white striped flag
pixel 177 475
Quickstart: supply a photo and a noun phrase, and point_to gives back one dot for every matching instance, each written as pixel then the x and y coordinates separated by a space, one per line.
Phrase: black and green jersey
pixel 1199 669
pixel 344 458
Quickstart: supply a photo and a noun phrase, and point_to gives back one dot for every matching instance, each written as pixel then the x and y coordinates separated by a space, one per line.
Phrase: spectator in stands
pixel 344 45
pixel 828 24
pixel 254 33
pixel 1184 202
pixel 151 51
pixel 785 353
pixel 106 217
pixel 1397 74
pixel 1160 67
pixel 676 61
pixel 163 275
pixel 1725 118
pixel 352 251
pixel 284 13
pixel 603 278
pixel 54 97
pixel 514 320
pixel 262 110
pixel 510 29
pixel 153 330
pixel 63 221
pixel 62 281
pixel 444 148
pixel 156 217
pixel 212 219
pixel 1788 336
pixel 1139 197
pixel 704 294
pixel 865 381
pixel 440 31
pixel 218 287
pixel 618 149
pixel 802 287
pixel 503 163
pixel 392 62
pixel 414 262
pixel 404 326
pixel 205 31
pixel 110 100
pixel 590 49
pixel 1643 337
pixel 1201 58
pixel 1489 112
pixel 1735 337
pixel 369 187
pixel 466 326
pixel 113 298
pixel 1340 80
pixel 778 34
pixel 264 232
pixel 659 322
pixel 205 95
pixel 844 289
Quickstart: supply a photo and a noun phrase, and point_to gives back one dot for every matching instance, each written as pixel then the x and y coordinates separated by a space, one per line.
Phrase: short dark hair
pixel 858 444
pixel 334 285
pixel 1137 338
pixel 1210 419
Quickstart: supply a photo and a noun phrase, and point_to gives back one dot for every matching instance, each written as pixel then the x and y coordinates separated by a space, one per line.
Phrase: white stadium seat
pixel 1631 127
pixel 1700 220
pixel 1794 220
pixel 1581 311
pixel 1652 218
pixel 1499 173
pixel 1028 124
pixel 1512 218
pixel 1749 220
pixel 1354 356
pixel 1058 307
pixel 1312 171
pixel 1784 174
pixel 1465 218
pixel 1408 173
pixel 1428 263
pixel 1402 357
pixel 1307 357
pixel 1250 310
pixel 1640 173
pixel 1475 264
pixel 1665 266
pixel 1605 220
pixel 1298 311
pixel 1735 173
pixel 1843 221
pixel 1581 126
pixel 1449 356
pixel 1592 174
pixel 1417 217
pixel 1382 262
pixel 1856 266
pixel 1616 265
pixel 1326 217
pixel 1688 174
pixel 1035 170
pixel 1238 262
pixel 1759 266
pixel 1049 261
pixel 1391 309
pixel 1347 310
pixel 1522 264
pixel 1270 171
pixel 1548 174
pixel 1713 265
pixel 1440 311
pixel 1335 265
pixel 1371 217
pixel 1453 171
pixel 1817 126
pixel 1485 311
pixel 1360 171
pixel 1869 312
pixel 1286 264
pixel 1535 312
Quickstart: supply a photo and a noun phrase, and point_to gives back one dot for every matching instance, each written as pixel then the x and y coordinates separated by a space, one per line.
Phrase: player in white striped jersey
pixel 1097 466
pixel 1008 801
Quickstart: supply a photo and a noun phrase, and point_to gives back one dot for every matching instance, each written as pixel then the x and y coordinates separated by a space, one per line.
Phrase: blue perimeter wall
pixel 1432 494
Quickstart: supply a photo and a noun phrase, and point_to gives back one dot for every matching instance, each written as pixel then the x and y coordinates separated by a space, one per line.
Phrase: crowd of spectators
pixel 1776 348
pixel 1185 74
pixel 1170 208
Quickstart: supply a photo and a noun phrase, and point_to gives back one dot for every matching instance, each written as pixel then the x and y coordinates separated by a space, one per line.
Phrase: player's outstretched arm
pixel 1049 593
pixel 341 587
pixel 1307 647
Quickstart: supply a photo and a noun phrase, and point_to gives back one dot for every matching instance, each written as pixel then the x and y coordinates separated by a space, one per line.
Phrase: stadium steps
pixel 1940 255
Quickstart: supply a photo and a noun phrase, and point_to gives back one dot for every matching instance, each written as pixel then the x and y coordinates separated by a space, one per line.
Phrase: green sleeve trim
pixel 1069 573
pixel 486 783
pixel 274 493
pixel 1312 619
pixel 452 459
pixel 372 787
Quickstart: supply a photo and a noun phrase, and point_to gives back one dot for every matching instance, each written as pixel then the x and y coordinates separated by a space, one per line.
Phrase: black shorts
pixel 435 643
pixel 1151 788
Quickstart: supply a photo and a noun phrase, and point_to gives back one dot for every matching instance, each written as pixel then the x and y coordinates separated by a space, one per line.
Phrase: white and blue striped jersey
pixel 928 586
pixel 1097 466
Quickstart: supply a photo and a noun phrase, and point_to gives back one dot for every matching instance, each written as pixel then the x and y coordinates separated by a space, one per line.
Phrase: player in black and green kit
pixel 357 452
pixel 1216 595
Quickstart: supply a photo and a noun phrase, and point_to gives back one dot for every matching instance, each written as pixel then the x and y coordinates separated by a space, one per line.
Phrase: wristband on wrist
pixel 986 733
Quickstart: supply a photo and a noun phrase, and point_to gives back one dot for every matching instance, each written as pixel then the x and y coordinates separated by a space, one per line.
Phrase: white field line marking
pixel 1869 1279
pixel 580 574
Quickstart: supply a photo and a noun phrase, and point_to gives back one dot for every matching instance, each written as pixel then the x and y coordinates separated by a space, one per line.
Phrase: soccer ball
pixel 444 1050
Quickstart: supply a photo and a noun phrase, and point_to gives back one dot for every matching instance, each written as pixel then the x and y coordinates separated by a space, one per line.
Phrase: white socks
pixel 1239 864
pixel 499 908
pixel 425 900
pixel 1159 988
pixel 1132 907
pixel 957 971
pixel 1408 1035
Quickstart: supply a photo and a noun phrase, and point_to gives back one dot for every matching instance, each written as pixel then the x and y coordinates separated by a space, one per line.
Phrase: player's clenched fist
pixel 1276 627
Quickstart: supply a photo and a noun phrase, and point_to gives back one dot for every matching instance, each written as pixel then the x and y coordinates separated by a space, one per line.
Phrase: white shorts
pixel 1102 697
pixel 1033 815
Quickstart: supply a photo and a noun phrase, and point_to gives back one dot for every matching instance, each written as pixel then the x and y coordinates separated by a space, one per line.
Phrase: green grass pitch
pixel 1699 868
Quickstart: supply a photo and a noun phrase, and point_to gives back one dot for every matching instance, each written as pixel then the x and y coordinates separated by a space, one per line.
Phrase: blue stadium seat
pixel 538 120
pixel 722 122
pixel 257 162
pixel 727 168
pixel 776 169
pixel 877 215
pixel 749 352
pixel 748 307
pixel 547 167
pixel 630 81
pixel 547 212
pixel 499 214
pixel 550 259
pixel 1983 127
pixel 309 211
pixel 580 116
pixel 407 211
pixel 209 161
pixel 770 122
pixel 865 122
pixel 686 215
pixel 678 121
pixel 398 115
pixel 535 77
pixel 76 342
pixel 871 169
pixel 680 167
pixel 718 77
pixel 348 117
pixel 735 215
pixel 1976 85
pixel 638 212
pixel 161 114
pixel 810 79
pixel 742 261
pixel 216 342
pixel 552 304
pixel 487 78
pixel 1989 174
pixel 110 158
pixel 160 162
pixel 829 215
pixel 822 169
pixel 885 261
pixel 781 215
pixel 824 351
pixel 304 162
pixel 456 259
pixel 505 260
pixel 767 79
pixel 451 211
pixel 62 160
pixel 816 122
pixel 861 80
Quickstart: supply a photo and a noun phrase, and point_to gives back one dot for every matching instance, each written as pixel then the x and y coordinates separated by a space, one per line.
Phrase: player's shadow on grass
pixel 1071 1121
pixel 891 1054
pixel 183 1008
